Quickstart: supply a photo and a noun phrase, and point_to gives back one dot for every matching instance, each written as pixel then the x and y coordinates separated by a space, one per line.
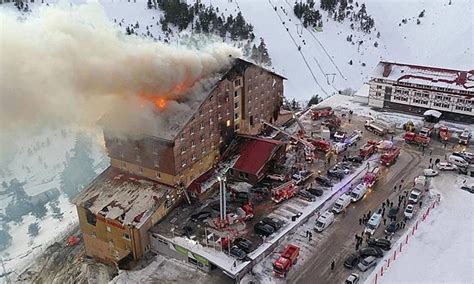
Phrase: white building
pixel 415 89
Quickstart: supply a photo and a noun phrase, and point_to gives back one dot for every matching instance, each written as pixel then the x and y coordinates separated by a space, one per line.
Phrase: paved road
pixel 339 241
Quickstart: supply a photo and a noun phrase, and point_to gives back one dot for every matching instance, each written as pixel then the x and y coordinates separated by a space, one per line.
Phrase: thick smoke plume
pixel 74 64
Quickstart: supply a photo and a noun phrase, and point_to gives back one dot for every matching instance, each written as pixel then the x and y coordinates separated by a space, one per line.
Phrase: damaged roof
pixel 255 153
pixel 126 198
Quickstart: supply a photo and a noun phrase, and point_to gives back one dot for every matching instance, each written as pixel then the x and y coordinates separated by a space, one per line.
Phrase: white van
pixel 415 196
pixel 373 224
pixel 324 221
pixel 358 192
pixel 458 161
pixel 341 203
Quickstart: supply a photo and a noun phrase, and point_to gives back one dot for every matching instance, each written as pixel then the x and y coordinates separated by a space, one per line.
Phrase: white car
pixel 430 172
pixel 444 166
pixel 277 177
pixel 409 211
pixel 352 279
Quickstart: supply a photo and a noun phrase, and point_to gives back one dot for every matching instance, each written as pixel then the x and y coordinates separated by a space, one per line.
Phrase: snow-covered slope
pixel 442 250
pixel 444 38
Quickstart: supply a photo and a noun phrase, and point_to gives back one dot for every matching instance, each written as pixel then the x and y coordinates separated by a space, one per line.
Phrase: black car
pixel 391 228
pixel 275 223
pixel 244 244
pixel 263 229
pixel 260 190
pixel 237 253
pixel 352 260
pixel 381 243
pixel 315 191
pixel 371 251
pixel 335 173
pixel 392 213
pixel 306 196
pixel 200 216
pixel 324 181
pixel 188 231
pixel 356 159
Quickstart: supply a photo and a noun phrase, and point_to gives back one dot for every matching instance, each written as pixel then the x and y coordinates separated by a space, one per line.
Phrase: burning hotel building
pixel 149 173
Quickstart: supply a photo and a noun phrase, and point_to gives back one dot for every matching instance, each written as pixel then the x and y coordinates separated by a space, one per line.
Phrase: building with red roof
pixel 256 157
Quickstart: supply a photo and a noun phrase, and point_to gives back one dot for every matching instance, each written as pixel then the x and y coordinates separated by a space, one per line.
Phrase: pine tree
pixel 33 229
pixel 265 57
pixel 376 44
pixel 149 4
pixel 314 100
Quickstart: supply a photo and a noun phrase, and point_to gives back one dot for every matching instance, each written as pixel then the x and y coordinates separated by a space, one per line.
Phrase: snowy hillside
pixel 439 40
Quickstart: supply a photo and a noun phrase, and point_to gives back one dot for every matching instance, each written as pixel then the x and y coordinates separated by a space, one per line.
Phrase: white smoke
pixel 69 64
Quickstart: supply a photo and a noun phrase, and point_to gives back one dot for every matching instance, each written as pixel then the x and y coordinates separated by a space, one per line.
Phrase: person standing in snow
pixel 332 265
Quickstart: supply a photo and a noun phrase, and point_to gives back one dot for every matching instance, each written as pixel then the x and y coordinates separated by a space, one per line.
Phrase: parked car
pixel 352 260
pixel 468 157
pixel 306 195
pixel 275 223
pixel 458 161
pixel 415 196
pixel 409 210
pixel 315 191
pixel 356 159
pixel 260 189
pixel 237 253
pixel 336 173
pixel 392 213
pixel 391 228
pixel 367 263
pixel 430 172
pixel 324 181
pixel 352 279
pixel 244 244
pixel 277 177
pixel 203 215
pixel 263 229
pixel 381 243
pixel 371 251
pixel 444 166
pixel 468 188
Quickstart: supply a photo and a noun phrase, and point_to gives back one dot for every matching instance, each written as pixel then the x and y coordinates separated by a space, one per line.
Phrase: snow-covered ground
pixel 39 161
pixel 442 249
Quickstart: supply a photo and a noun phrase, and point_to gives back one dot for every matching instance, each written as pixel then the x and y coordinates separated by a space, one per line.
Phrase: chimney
pixel 387 68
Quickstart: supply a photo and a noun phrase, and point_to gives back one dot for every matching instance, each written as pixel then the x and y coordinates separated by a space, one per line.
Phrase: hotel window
pixel 193 143
pixel 200 112
pixel 140 169
pixel 211 97
pixel 183 150
pixel 126 236
pixel 237 126
pixel 236 116
pixel 155 150
pixel 201 125
pixel 191 130
pixel 194 157
pixel 236 105
pixel 219 115
pixel 202 138
pixel 237 83
pixel 158 175
pixel 236 94
pixel 183 163
pixel 156 163
pixel 181 136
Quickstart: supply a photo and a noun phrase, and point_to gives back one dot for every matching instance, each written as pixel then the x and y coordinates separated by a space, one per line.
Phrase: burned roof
pixel 170 121
pixel 126 198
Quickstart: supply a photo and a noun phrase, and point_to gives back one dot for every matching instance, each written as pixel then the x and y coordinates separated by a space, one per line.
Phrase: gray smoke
pixel 73 64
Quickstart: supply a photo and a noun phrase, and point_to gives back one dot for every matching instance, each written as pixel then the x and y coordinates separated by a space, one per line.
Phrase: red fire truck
pixel 413 138
pixel 287 259
pixel 284 192
pixel 444 134
pixel 321 145
pixel 368 149
pixel 371 177
pixel 390 156
pixel 321 112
